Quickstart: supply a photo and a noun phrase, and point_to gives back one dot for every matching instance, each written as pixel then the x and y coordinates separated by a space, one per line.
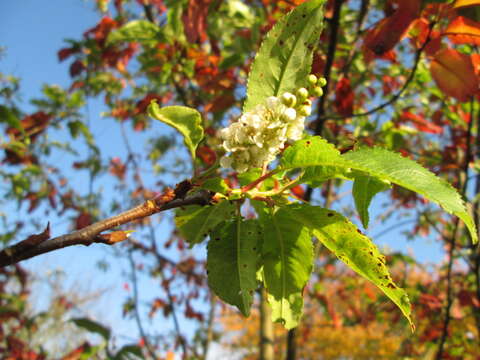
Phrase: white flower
pixel 259 135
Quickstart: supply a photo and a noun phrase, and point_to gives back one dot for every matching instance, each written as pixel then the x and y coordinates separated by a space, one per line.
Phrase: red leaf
pixel 142 105
pixel 65 53
pixel 101 31
pixel 77 353
pixel 195 20
pixel 421 123
pixel 118 168
pixel 207 155
pixel 454 74
pixel 83 220
pixel 420 30
pixel 390 30
pixel 344 97
pixel 298 191
pixel 462 30
pixel 76 68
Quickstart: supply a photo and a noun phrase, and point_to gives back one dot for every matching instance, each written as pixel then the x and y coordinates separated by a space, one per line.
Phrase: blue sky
pixel 32 31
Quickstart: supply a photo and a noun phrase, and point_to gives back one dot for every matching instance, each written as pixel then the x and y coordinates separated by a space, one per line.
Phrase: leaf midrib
pixel 297 39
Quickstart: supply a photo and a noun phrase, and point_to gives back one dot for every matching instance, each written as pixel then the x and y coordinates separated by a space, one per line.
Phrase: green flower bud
pixel 312 79
pixel 322 82
pixel 317 91
pixel 288 99
pixel 302 94
pixel 305 110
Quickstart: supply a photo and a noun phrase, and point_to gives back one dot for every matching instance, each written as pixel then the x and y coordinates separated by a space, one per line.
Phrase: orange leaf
pixel 462 30
pixel 454 74
pixel 462 3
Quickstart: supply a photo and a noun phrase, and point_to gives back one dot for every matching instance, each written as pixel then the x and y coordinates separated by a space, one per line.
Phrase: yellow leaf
pixel 463 3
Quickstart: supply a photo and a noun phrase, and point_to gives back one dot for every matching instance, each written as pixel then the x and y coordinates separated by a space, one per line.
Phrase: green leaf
pixel 142 31
pixel 216 184
pixel 92 326
pixel 287 263
pixel 232 262
pixel 196 222
pixel 402 171
pixel 126 351
pixel 356 250
pixel 8 116
pixel 285 57
pixel 186 120
pixel 364 189
pixel 384 165
pixel 307 153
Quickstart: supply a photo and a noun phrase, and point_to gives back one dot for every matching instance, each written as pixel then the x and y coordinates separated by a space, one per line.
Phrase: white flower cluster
pixel 260 134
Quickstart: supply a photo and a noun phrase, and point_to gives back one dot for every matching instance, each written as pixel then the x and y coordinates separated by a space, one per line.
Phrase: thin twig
pixel 453 241
pixel 395 97
pixel 171 302
pixel 138 320
pixel 90 234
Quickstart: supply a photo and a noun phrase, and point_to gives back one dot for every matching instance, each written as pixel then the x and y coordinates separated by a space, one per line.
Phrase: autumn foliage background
pixel 401 74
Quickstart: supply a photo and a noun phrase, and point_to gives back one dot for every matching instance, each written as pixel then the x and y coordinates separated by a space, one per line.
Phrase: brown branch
pixel 91 234
pixel 463 176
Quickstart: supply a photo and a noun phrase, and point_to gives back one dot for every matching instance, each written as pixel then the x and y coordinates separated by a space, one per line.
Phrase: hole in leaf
pixel 330 214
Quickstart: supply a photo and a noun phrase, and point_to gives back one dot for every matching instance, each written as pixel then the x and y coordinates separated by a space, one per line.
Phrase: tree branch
pixel 463 176
pixel 91 234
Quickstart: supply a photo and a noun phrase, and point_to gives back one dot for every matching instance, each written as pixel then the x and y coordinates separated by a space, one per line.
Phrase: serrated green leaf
pixel 356 250
pixel 287 263
pixel 186 120
pixel 402 171
pixel 364 188
pixel 384 165
pixel 285 57
pixel 216 184
pixel 196 222
pixel 232 261
pixel 142 31
pixel 92 326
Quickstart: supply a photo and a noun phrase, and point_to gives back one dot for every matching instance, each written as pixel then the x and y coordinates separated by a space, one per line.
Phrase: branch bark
pixel 27 248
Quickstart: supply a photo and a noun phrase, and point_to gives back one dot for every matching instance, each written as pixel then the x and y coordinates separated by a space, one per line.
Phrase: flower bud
pixel 322 82
pixel 305 110
pixel 289 100
pixel 317 91
pixel 302 94
pixel 312 79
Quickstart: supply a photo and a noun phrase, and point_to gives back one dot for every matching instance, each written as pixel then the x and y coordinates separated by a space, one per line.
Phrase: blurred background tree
pixel 401 74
